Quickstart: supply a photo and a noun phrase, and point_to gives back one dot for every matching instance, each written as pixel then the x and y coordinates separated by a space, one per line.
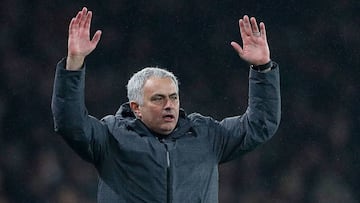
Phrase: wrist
pixel 74 62
pixel 262 67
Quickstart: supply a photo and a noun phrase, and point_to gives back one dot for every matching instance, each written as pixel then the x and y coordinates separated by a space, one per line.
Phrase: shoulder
pixel 198 119
pixel 113 122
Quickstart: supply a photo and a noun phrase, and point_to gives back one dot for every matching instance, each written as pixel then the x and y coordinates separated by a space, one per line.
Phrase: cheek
pixel 151 113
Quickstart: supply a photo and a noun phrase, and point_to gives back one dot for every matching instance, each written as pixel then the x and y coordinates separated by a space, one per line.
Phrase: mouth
pixel 169 117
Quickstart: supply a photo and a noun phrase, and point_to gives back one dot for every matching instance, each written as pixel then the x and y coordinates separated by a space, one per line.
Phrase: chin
pixel 167 131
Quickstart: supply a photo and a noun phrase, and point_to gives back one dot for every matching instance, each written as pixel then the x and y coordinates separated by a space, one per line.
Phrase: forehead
pixel 160 86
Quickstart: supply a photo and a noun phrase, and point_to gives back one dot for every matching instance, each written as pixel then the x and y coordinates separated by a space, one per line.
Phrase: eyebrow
pixel 173 94
pixel 163 95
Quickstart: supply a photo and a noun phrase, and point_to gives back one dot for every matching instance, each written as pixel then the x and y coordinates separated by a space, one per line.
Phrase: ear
pixel 135 107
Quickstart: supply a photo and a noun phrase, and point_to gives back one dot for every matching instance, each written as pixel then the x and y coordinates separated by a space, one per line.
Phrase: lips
pixel 168 117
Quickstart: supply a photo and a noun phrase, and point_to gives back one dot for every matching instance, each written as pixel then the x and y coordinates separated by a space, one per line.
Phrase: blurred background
pixel 314 156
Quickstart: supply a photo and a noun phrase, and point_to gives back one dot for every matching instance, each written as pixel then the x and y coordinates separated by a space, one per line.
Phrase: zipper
pixel 168 164
pixel 167 157
pixel 168 186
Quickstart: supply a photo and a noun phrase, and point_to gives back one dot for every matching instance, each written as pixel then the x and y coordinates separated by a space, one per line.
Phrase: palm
pixel 79 43
pixel 254 49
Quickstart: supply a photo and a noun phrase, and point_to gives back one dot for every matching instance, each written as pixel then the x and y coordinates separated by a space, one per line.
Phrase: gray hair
pixel 136 83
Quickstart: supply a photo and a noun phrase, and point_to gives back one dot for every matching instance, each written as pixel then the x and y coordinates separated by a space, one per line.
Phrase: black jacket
pixel 136 166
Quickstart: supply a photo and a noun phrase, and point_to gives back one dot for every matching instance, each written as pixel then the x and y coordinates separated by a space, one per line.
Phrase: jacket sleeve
pixel 240 134
pixel 85 134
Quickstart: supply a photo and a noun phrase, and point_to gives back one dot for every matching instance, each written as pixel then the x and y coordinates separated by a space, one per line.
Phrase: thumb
pixel 237 48
pixel 96 38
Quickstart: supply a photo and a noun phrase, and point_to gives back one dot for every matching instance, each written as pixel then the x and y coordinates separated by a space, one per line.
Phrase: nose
pixel 168 104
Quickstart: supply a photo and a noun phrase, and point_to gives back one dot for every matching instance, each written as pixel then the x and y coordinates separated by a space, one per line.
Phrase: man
pixel 150 150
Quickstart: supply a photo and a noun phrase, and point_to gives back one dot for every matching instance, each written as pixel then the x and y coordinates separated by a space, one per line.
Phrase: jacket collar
pixel 125 113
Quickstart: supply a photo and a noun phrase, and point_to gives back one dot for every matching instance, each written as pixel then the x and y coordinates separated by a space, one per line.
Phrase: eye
pixel 157 98
pixel 174 97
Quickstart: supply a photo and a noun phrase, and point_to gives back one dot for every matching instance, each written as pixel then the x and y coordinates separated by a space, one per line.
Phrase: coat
pixel 134 165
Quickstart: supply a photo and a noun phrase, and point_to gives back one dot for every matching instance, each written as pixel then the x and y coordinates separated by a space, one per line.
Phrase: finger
pixel 72 26
pixel 78 17
pixel 74 23
pixel 96 38
pixel 237 48
pixel 247 27
pixel 254 25
pixel 83 17
pixel 263 31
pixel 242 29
pixel 88 20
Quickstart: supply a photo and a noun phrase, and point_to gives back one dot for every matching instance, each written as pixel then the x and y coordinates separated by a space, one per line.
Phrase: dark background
pixel 314 156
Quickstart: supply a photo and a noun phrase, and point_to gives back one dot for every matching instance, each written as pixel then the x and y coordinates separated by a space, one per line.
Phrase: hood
pixel 125 111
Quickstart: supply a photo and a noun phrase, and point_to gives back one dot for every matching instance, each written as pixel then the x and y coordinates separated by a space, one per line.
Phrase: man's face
pixel 160 108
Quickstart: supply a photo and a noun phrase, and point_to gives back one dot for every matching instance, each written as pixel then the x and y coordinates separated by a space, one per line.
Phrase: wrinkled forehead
pixel 161 84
